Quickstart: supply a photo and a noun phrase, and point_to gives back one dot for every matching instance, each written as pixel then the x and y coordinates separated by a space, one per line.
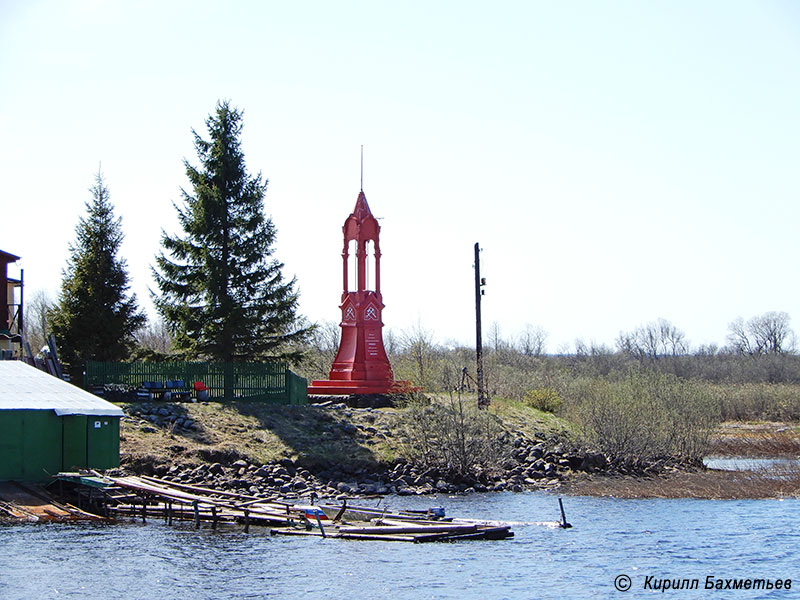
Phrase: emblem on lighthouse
pixel 371 314
pixel 350 314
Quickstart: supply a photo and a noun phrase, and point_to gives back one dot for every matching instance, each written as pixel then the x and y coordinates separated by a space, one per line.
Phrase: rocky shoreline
pixel 542 461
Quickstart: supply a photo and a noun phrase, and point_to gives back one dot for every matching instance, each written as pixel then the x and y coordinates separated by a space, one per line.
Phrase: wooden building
pixel 10 308
pixel 48 425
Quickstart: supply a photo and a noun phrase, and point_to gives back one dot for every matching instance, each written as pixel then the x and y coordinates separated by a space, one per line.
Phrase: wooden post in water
pixel 196 514
pixel 246 521
pixel 144 509
pixel 213 517
pixel 563 524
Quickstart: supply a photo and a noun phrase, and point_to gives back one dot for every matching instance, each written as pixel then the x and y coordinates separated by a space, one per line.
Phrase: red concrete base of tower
pixel 328 387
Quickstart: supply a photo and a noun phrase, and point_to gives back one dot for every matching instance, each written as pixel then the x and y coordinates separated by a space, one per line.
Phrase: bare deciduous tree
pixel 36 325
pixel 391 343
pixel 320 350
pixel 495 337
pixel 532 340
pixel 764 334
pixel 419 356
pixel 653 340
pixel 155 338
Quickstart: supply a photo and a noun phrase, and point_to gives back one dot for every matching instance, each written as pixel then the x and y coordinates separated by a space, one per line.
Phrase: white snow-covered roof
pixel 23 387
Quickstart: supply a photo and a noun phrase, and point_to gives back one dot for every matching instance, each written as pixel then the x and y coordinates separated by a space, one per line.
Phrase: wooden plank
pixel 206 490
pixel 343 536
pixel 366 513
pixel 31 502
pixel 491 533
pixel 14 512
pixel 275 514
pixel 408 529
pixel 375 537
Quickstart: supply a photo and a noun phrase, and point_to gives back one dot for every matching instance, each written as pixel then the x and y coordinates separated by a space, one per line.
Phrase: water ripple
pixel 676 538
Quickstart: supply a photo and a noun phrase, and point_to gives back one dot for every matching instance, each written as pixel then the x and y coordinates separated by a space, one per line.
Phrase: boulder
pixel 593 461
pixel 349 428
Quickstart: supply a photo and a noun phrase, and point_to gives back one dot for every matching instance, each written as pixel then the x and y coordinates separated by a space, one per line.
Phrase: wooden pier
pixel 29 502
pixel 141 497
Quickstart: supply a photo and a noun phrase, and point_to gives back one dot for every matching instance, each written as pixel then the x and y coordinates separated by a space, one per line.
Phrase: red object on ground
pixel 199 386
pixel 361 365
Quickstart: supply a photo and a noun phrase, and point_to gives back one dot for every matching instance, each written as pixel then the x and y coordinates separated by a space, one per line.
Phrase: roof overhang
pixel 23 387
pixel 7 257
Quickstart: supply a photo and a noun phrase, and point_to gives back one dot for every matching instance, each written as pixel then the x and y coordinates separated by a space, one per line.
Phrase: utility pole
pixel 483 399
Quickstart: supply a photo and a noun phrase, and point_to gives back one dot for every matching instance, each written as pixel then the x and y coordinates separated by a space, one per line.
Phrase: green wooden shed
pixel 48 425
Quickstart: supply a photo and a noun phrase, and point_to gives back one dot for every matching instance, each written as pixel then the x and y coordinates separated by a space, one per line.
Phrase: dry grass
pixel 318 437
pixel 314 436
pixel 517 416
pixel 263 433
pixel 756 439
pixel 711 485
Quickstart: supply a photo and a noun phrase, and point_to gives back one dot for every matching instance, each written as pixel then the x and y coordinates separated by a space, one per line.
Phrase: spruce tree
pixel 95 319
pixel 221 292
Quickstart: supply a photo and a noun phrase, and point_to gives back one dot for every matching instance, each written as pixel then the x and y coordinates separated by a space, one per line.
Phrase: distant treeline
pixel 759 351
pixel 744 382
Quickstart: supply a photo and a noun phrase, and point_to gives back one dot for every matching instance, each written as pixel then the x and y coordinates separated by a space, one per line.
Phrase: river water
pixel 750 463
pixel 645 540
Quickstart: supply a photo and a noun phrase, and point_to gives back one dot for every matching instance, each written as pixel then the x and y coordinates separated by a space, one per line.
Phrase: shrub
pixel 453 436
pixel 751 401
pixel 544 399
pixel 645 415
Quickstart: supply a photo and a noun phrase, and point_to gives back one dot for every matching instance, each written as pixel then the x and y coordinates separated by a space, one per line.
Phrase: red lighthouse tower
pixel 361 365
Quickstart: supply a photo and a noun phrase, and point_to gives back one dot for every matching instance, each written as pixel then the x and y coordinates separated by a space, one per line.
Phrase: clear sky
pixel 618 162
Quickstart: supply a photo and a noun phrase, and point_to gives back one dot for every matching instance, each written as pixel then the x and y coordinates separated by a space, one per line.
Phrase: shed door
pixel 102 442
pixel 74 456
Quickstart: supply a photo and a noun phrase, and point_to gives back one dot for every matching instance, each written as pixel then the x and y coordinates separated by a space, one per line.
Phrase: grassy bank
pixel 312 436
pixel 258 433
pixel 444 436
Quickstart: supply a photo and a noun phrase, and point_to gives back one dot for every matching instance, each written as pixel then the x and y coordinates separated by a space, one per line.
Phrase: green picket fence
pixel 259 382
